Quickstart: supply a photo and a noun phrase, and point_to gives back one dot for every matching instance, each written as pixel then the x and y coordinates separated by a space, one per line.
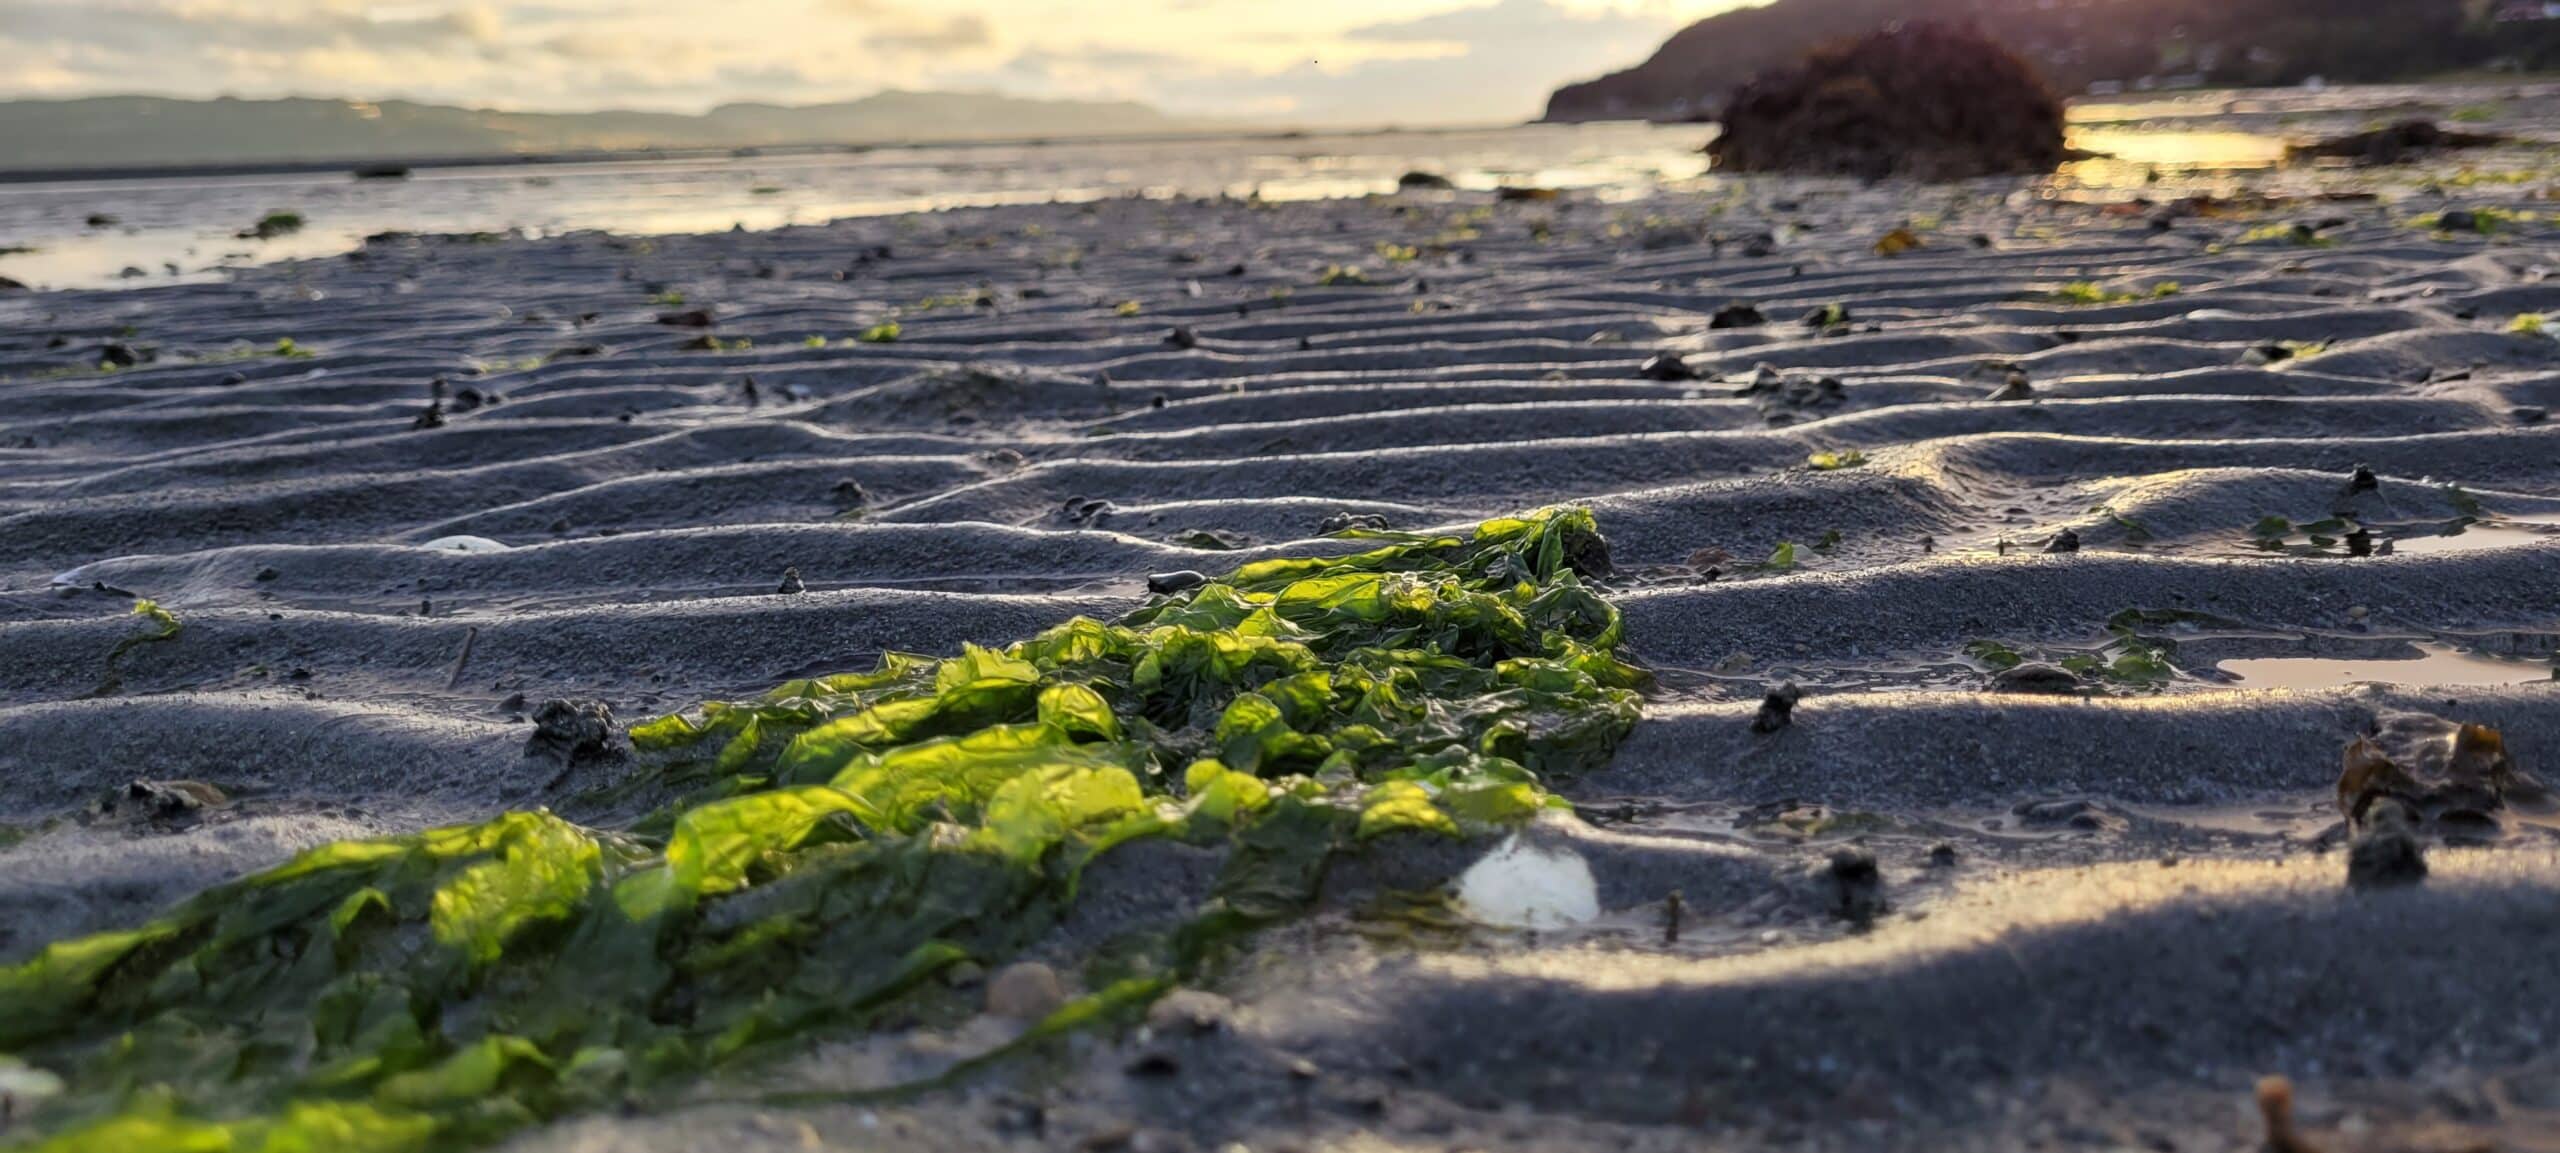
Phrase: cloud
pixel 951 34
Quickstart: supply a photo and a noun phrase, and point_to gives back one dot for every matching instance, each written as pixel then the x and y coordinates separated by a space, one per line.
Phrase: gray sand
pixel 2111 970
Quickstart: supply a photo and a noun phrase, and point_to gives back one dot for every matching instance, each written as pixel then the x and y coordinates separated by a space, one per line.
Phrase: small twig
pixel 469 635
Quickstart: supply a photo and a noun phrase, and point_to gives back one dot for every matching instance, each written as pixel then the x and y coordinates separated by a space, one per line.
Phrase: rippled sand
pixel 2105 914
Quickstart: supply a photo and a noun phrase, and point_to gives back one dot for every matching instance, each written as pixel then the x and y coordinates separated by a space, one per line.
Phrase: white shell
pixel 1521 887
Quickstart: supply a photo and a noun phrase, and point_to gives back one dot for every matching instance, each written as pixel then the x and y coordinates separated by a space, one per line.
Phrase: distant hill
pixel 143 131
pixel 2076 43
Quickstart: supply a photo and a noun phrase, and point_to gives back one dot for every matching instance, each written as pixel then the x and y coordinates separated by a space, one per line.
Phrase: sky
pixel 1303 61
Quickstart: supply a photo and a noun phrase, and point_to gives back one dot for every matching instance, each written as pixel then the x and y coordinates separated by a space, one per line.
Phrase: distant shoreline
pixel 351 165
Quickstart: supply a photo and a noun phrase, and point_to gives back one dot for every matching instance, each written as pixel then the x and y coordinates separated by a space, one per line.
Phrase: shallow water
pixel 2503 533
pixel 2439 665
pixel 188 224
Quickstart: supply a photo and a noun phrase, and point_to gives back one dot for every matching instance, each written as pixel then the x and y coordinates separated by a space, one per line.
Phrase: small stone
pixel 431 417
pixel 2358 612
pixel 1666 367
pixel 1025 991
pixel 2458 220
pixel 1777 710
pixel 268 574
pixel 791 583
pixel 1181 580
pixel 1942 855
pixel 691 318
pixel 2362 480
pixel 2386 854
pixel 1347 521
pixel 1188 1011
pixel 2036 677
pixel 1153 1063
pixel 1736 316
pixel 1857 885
pixel 163 800
pixel 1182 338
pixel 2064 541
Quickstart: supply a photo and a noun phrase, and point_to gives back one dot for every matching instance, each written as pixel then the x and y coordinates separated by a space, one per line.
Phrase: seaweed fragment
pixel 834 845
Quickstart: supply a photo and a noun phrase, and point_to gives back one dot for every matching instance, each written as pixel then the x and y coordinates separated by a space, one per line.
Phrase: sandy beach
pixel 399 498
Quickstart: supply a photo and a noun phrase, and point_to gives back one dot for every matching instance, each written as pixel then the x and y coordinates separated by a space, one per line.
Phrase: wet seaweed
pixel 829 849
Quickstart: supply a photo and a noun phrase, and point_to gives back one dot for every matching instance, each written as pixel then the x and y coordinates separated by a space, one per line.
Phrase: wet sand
pixel 2104 914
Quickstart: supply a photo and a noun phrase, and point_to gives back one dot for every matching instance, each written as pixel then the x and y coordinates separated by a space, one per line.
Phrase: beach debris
pixel 2067 540
pixel 2013 387
pixel 2362 480
pixel 1736 316
pixel 1777 709
pixel 162 801
pixel 272 225
pixel 1666 367
pixel 1898 241
pixel 1927 100
pixel 23 1087
pixel 1833 315
pixel 1835 461
pixel 1177 581
pixel 464 544
pixel 1521 886
pixel 165 626
pixel 2036 677
pixel 2391 144
pixel 2275 1107
pixel 1182 338
pixel 1025 991
pixel 1510 192
pixel 1420 181
pixel 791 582
pixel 123 355
pixel 1855 885
pixel 1341 522
pixel 572 731
pixel 2529 414
pixel 689 318
pixel 431 416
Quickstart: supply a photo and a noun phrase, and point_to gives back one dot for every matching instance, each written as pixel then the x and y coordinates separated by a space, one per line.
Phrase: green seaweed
pixel 826 850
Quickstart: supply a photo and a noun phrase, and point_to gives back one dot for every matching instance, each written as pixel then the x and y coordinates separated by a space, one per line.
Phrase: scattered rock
pixel 1424 181
pixel 2014 387
pixel 1347 521
pixel 431 416
pixel 1927 100
pixel 164 801
pixel 1169 583
pixel 1666 367
pixel 1736 316
pixel 2065 541
pixel 791 583
pixel 2529 414
pixel 1778 709
pixel 1856 885
pixel 1188 1011
pixel 2036 677
pixel 572 731
pixel 1182 338
pixel 2362 480
pixel 2385 853
pixel 124 355
pixel 2392 144
pixel 1025 991
pixel 690 318
pixel 101 220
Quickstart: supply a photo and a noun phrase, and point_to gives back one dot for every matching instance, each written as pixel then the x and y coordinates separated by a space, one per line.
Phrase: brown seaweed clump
pixel 2460 787
pixel 1925 100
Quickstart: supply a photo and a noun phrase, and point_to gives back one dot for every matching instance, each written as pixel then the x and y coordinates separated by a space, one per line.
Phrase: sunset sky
pixel 1370 61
